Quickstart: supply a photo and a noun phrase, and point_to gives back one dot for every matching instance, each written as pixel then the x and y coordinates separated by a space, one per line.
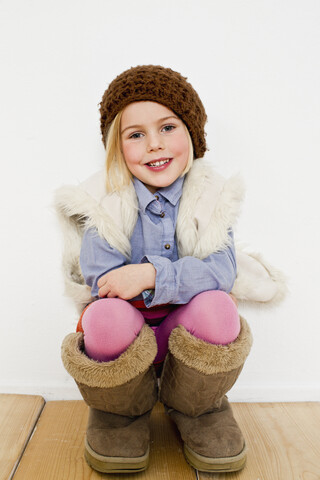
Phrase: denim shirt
pixel 153 240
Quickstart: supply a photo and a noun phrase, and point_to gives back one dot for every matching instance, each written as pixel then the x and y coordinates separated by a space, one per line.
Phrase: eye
pixel 135 135
pixel 168 128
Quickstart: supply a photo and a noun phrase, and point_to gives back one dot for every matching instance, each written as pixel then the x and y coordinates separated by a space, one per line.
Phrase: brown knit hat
pixel 157 84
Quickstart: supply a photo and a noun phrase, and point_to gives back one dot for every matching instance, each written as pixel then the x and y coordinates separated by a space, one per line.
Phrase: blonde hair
pixel 117 173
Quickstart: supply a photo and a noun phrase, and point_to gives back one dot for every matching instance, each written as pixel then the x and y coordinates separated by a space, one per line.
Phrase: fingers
pixel 106 291
pixel 102 280
pixel 104 288
pixel 112 295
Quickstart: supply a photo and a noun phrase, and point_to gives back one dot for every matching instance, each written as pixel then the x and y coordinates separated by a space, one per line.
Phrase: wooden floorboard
pixel 283 442
pixel 55 451
pixel 18 416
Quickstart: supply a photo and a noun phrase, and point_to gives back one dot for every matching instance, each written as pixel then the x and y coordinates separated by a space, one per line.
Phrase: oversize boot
pixel 195 378
pixel 120 394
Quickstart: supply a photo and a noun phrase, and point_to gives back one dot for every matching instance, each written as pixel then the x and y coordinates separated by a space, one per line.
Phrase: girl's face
pixel 154 143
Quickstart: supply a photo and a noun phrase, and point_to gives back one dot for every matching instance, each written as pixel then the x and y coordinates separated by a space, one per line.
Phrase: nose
pixel 155 142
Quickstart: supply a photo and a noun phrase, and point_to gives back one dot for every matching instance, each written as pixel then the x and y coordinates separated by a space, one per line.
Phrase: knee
pixel 212 302
pixel 110 326
pixel 109 313
pixel 215 317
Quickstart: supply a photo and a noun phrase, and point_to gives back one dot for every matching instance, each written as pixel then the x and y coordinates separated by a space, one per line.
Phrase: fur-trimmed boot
pixel 195 378
pixel 120 394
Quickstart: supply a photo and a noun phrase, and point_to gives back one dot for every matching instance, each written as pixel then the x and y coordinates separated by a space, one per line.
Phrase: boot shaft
pixel 196 374
pixel 204 392
pixel 132 398
pixel 124 386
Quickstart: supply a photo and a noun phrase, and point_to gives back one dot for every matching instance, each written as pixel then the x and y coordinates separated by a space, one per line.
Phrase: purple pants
pixel 110 325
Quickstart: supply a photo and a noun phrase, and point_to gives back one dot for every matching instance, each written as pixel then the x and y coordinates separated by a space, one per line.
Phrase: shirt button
pixel 167 246
pixel 162 214
pixel 157 197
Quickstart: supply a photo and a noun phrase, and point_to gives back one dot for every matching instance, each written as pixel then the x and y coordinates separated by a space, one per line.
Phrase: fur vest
pixel 209 207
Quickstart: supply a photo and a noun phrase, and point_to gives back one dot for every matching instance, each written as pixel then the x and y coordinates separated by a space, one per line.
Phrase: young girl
pixel 150 255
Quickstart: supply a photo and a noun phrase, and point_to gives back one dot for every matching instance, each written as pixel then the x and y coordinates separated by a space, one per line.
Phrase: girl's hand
pixel 128 281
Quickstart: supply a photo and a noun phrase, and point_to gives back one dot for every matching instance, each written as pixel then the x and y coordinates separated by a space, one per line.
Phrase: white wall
pixel 255 64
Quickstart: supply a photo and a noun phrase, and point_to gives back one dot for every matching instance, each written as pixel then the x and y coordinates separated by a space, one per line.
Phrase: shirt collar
pixel 172 193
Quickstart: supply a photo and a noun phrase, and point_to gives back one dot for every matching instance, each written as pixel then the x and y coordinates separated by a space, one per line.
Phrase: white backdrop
pixel 255 64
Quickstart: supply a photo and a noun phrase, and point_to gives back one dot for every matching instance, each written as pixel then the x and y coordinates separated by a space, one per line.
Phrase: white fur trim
pixel 225 214
pixel 81 207
pixel 257 280
pixel 199 232
pixel 84 212
pixel 208 208
pixel 74 282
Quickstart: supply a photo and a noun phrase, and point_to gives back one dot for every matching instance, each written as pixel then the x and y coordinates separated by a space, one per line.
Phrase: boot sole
pixel 207 464
pixel 106 464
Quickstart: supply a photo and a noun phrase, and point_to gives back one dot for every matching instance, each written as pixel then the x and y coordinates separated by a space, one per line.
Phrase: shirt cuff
pixel 148 296
pixel 165 288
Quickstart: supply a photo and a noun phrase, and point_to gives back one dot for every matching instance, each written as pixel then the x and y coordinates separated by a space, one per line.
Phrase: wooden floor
pixel 41 441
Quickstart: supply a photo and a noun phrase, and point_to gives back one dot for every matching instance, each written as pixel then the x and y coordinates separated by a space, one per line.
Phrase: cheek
pixel 130 153
pixel 182 145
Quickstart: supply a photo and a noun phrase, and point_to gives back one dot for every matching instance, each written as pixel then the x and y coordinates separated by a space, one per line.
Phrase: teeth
pixel 158 164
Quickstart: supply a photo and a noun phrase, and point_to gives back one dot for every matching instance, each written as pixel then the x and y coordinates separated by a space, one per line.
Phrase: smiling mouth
pixel 159 163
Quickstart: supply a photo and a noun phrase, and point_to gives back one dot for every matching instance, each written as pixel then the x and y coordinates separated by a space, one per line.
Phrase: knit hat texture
pixel 157 84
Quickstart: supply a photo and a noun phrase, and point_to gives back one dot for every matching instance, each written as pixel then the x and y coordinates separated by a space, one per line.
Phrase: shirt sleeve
pixel 97 257
pixel 177 282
